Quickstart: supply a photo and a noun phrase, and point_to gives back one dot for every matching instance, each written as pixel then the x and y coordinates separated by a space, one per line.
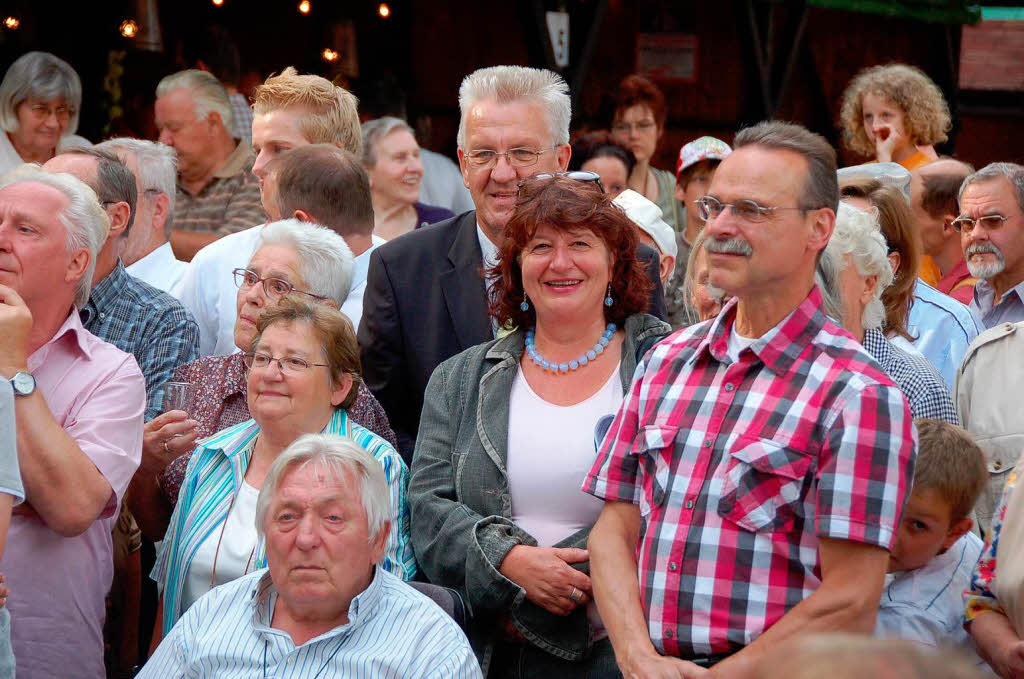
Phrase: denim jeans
pixel 6 652
pixel 523 661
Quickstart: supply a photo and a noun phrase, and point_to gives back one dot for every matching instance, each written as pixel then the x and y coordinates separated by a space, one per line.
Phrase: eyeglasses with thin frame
pixel 584 176
pixel 709 208
pixel 275 288
pixel 640 126
pixel 991 222
pixel 290 365
pixel 519 157
pixel 42 112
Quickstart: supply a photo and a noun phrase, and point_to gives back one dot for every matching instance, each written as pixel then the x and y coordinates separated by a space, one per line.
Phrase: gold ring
pixel 166 449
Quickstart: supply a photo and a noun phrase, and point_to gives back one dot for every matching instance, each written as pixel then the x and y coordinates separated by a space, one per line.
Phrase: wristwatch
pixel 24 383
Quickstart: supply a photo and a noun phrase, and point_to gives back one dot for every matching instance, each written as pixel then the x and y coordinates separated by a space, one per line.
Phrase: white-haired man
pixel 425 300
pixel 852 274
pixel 991 226
pixel 79 404
pixel 289 110
pixel 739 509
pixel 147 253
pixel 323 606
pixel 217 193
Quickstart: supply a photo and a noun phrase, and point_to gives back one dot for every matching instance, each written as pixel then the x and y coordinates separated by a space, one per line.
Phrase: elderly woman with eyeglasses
pixel 302 371
pixel 39 101
pixel 507 432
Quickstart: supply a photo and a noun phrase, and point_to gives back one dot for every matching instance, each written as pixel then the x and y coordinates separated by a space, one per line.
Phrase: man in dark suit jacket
pixel 425 298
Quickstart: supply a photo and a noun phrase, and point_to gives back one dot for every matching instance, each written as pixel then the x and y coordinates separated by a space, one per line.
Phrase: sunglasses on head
pixel 577 175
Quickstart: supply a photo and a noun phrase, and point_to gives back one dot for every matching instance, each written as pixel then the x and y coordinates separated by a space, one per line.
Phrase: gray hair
pixel 41 76
pixel 508 84
pixel 334 455
pixel 374 131
pixel 208 94
pixel 157 164
pixel 821 187
pixel 858 235
pixel 1013 172
pixel 327 264
pixel 85 220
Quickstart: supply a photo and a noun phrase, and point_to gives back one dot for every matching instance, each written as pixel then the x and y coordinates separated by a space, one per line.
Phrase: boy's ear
pixel 957 531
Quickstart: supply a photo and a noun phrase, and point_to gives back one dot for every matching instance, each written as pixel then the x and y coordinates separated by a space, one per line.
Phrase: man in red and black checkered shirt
pixel 755 475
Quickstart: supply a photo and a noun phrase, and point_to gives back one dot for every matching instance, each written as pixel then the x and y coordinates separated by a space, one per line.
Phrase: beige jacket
pixel 989 391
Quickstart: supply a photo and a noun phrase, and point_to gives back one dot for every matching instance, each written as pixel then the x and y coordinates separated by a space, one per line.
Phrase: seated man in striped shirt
pixel 323 607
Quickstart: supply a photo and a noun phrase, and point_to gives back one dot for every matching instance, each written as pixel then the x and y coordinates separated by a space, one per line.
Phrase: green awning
pixel 936 11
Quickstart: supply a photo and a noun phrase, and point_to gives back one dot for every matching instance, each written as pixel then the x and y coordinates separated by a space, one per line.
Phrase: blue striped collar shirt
pixel 392 631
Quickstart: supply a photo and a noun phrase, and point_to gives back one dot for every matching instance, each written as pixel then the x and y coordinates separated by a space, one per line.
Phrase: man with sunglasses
pixel 991 226
pixel 755 473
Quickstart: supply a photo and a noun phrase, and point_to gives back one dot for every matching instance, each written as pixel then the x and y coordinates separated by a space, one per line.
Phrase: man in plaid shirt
pixel 755 475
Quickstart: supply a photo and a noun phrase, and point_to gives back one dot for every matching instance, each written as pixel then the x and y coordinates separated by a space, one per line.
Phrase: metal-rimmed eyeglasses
pixel 991 222
pixel 274 288
pixel 709 208
pixel 290 365
pixel 584 176
pixel 520 157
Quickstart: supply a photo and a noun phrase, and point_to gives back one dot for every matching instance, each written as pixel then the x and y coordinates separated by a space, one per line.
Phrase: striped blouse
pixel 213 478
pixel 392 631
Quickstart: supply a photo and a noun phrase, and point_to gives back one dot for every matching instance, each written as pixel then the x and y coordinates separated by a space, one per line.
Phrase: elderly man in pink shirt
pixel 79 404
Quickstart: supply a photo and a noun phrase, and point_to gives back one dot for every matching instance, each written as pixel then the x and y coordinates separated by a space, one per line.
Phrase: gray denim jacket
pixel 459 496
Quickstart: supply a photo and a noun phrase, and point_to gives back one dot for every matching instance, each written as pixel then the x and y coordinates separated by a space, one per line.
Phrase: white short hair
pixel 333 455
pixel 327 264
pixel 508 84
pixel 157 166
pixel 41 76
pixel 85 220
pixel 1013 173
pixel 208 94
pixel 857 234
pixel 375 130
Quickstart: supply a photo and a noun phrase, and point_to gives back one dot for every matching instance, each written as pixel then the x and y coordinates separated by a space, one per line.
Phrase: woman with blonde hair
pixel 894 113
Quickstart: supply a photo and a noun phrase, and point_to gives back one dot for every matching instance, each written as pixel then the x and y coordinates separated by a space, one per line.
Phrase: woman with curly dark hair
pixel 508 427
pixel 894 113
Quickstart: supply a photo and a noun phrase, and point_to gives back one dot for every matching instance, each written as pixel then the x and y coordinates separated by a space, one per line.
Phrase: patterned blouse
pixel 219 402
pixel 980 598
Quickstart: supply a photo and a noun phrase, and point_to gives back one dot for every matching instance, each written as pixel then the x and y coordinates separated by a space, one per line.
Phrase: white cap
pixel 647 216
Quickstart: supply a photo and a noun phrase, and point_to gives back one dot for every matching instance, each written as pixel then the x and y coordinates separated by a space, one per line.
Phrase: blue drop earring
pixel 608 301
pixel 525 304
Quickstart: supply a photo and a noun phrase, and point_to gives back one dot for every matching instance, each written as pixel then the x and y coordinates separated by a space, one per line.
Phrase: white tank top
pixel 236 555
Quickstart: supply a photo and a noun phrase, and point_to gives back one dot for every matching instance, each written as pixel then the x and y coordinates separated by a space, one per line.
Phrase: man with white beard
pixel 991 226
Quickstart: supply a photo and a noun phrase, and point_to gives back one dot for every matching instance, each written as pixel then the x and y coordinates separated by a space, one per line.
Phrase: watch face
pixel 24 384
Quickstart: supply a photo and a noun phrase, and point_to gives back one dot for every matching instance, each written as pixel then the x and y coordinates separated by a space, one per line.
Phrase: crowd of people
pixel 749 418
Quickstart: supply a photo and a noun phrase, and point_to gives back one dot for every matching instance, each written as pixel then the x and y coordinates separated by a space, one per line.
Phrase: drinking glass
pixel 177 395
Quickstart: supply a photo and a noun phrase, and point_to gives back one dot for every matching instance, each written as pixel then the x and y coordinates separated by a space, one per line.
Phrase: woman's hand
pixel 545 574
pixel 165 438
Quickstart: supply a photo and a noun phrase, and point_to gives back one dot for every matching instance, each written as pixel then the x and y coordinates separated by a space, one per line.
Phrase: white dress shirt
pixel 353 306
pixel 208 289
pixel 161 269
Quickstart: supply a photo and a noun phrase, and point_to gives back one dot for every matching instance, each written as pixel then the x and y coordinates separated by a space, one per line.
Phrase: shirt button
pixel 102 316
pixel 673 566
pixel 689 504
pixel 668 634
pixel 997 464
pixel 729 387
pixel 707 443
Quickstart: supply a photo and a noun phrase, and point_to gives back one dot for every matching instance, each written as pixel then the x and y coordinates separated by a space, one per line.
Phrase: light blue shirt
pixel 1009 310
pixel 393 631
pixel 926 605
pixel 944 328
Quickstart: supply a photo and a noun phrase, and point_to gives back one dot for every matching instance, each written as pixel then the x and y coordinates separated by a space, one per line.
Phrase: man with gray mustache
pixel 754 475
pixel 991 226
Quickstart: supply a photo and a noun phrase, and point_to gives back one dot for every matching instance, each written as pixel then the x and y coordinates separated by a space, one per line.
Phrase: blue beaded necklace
pixel 576 363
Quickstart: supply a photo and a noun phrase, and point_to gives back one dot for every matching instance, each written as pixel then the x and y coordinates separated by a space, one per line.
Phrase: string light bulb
pixel 12 23
pixel 304 7
pixel 217 3
pixel 384 11
pixel 329 55
pixel 129 28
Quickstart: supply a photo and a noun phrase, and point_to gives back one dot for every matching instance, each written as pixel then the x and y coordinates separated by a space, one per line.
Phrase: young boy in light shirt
pixel 935 551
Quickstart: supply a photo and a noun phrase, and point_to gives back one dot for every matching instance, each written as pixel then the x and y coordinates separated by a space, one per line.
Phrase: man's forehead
pixel 317 483
pixel 31 198
pixel 81 165
pixel 759 171
pixel 523 118
pixel 994 191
